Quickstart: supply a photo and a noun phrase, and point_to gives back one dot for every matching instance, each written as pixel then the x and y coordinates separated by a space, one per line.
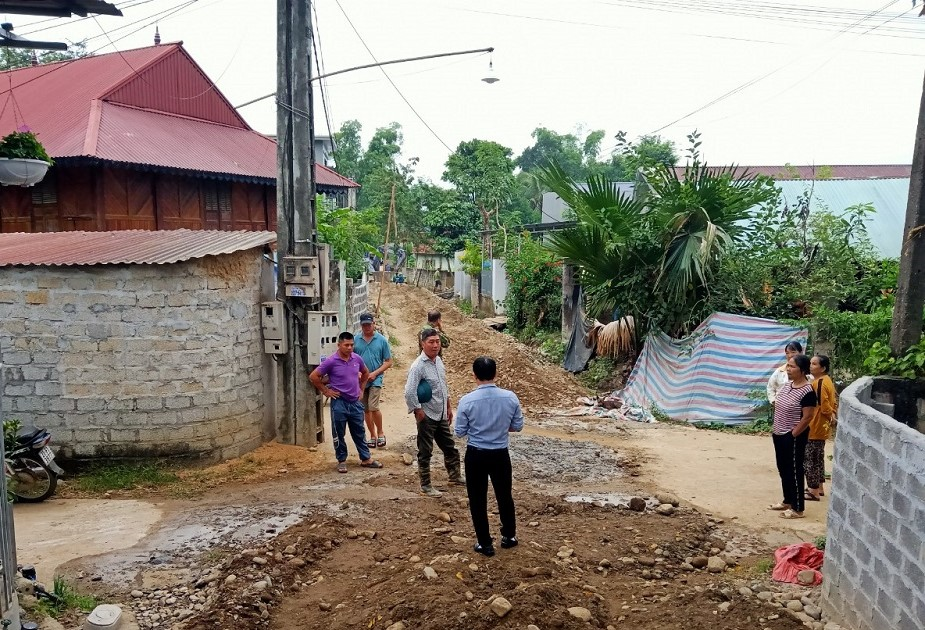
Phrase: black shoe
pixel 488 551
pixel 507 543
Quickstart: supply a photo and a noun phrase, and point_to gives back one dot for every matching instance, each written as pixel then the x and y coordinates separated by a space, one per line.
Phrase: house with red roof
pixel 141 139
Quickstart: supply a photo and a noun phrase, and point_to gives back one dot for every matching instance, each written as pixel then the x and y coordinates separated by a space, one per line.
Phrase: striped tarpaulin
pixel 710 374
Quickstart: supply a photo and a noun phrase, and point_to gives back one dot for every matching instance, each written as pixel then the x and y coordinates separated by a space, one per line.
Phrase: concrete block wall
pixel 137 360
pixel 874 570
pixel 357 302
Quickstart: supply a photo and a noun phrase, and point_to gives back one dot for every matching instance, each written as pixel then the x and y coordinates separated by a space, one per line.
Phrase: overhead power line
pixel 386 74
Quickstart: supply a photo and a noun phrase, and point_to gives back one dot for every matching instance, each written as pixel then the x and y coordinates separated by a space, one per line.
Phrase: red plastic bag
pixel 792 559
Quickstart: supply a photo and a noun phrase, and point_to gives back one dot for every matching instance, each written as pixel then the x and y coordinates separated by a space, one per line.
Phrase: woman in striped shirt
pixel 793 410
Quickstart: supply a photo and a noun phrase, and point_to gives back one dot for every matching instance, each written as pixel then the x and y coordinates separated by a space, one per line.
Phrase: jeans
pixel 430 431
pixel 482 465
pixel 346 414
pixel 790 453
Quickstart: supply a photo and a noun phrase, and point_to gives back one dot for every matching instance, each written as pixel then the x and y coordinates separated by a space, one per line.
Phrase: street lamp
pixel 489 79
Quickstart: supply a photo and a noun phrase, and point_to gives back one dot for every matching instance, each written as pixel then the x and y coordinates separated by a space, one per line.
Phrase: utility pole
pixel 299 415
pixel 910 294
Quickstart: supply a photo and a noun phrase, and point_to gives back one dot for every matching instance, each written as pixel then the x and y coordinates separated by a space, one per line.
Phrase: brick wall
pixel 137 360
pixel 874 572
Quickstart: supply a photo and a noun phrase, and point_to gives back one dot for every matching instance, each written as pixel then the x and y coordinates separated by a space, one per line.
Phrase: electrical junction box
pixel 302 276
pixel 321 331
pixel 273 323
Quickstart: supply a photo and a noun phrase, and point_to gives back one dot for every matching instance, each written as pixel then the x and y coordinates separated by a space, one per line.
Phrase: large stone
pixel 666 497
pixel 665 509
pixel 807 577
pixel 429 573
pixel 700 562
pixel 398 625
pixel 500 606
pixel 795 605
pixel 637 504
pixel 716 565
pixel 580 613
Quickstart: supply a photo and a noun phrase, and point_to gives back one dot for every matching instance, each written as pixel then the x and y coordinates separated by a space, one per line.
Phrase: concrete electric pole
pixel 910 294
pixel 299 415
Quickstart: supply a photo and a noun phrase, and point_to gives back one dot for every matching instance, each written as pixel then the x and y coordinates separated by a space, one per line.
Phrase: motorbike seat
pixel 26 434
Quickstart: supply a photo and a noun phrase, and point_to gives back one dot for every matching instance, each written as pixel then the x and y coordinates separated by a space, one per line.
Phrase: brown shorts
pixel 371 398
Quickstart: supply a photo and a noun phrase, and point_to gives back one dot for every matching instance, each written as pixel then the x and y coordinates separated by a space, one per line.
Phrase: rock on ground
pixel 500 606
pixel 580 613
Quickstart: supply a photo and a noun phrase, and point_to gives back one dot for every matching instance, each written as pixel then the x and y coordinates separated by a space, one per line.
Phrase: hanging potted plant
pixel 23 160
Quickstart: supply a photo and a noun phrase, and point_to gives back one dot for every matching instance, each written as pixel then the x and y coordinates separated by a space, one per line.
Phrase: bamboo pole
pixel 385 249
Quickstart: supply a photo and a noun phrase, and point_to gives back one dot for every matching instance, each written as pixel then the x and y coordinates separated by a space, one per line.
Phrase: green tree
pixel 13 58
pixel 348 149
pixel 351 234
pixel 646 153
pixel 482 172
pixel 549 147
pixel 656 261
pixel 534 294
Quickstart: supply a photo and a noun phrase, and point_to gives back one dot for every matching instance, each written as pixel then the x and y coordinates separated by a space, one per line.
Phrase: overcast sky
pixel 827 83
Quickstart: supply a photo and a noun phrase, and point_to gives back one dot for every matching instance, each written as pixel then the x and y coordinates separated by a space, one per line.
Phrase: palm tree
pixel 655 260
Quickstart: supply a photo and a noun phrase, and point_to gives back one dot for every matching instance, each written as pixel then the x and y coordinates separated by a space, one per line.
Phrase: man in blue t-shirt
pixel 377 355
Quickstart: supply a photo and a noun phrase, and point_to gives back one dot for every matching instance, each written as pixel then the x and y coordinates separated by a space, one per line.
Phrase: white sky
pixel 825 97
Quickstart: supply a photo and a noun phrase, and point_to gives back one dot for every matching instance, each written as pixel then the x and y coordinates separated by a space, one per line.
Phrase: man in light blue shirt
pixel 377 355
pixel 486 415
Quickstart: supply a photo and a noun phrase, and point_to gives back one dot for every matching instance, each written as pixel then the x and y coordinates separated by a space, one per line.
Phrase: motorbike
pixel 31 470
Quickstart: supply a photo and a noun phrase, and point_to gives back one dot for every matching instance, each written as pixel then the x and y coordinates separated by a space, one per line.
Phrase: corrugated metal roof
pixel 325 176
pixel 176 118
pixel 124 247
pixel 835 171
pixel 137 136
pixel 889 197
pixel 62 8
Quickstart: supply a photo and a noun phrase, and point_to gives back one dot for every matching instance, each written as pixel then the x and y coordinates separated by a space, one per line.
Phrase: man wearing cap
pixel 347 375
pixel 431 407
pixel 374 348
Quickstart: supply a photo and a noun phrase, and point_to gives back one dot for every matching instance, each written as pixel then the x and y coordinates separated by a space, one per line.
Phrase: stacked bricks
pixel 874 571
pixel 137 360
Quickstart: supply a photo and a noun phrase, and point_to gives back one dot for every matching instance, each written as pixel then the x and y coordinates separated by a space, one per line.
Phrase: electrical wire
pixel 316 46
pixel 386 74
pixel 66 21
pixel 63 64
pixel 761 77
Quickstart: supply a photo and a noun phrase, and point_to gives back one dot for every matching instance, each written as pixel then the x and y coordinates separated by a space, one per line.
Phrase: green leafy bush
pixel 534 293
pixel 881 362
pixel 23 145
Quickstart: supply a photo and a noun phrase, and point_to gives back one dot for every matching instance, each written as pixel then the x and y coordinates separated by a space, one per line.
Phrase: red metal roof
pixel 836 171
pixel 124 247
pixel 150 106
pixel 325 176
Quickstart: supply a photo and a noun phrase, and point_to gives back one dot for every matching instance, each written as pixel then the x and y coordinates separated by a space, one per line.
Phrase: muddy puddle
pixel 549 460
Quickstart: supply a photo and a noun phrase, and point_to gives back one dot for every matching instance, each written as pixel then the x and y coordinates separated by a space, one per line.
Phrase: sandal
pixel 778 507
pixel 371 464
pixel 809 496
pixel 380 442
pixel 341 467
pixel 371 443
pixel 790 514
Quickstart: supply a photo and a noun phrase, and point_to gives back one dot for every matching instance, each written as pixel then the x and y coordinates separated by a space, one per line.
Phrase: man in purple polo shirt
pixel 347 376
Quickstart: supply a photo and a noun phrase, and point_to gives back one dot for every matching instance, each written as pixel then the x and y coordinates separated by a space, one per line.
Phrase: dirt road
pixel 279 540
pixel 726 474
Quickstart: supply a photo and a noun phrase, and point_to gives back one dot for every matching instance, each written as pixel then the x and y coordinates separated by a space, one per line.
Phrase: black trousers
pixel 430 431
pixel 791 456
pixel 482 465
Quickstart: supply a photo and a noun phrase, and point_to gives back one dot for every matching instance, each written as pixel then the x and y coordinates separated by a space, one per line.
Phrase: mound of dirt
pixel 380 563
pixel 539 384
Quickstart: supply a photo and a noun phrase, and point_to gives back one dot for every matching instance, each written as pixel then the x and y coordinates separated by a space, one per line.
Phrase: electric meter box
pixel 301 275
pixel 322 329
pixel 274 328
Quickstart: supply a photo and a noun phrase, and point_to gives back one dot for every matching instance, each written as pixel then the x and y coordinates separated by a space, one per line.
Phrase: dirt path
pixel 726 474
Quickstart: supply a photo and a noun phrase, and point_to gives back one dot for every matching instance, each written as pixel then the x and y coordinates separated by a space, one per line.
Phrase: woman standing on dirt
pixel 780 378
pixel 794 408
pixel 820 426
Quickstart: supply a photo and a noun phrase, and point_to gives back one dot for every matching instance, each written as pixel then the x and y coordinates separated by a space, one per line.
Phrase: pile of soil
pixel 540 385
pixel 381 562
